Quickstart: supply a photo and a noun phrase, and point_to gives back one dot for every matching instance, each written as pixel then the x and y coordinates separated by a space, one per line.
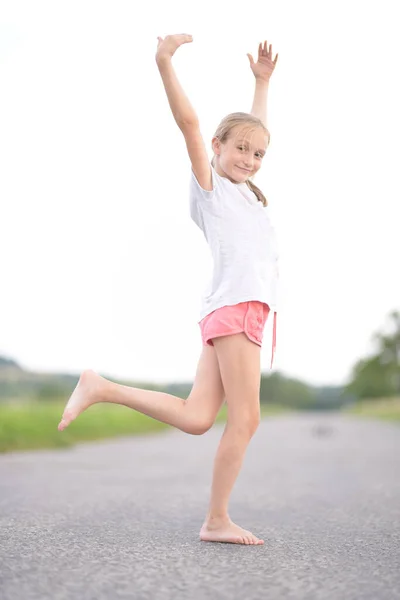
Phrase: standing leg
pixel 239 362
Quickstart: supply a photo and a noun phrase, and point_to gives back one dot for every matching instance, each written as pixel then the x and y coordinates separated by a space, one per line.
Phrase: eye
pixel 242 148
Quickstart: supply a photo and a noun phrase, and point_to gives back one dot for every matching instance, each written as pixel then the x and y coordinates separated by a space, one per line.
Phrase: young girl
pixel 232 212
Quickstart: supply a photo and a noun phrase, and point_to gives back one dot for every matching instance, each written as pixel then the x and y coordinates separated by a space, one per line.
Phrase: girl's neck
pixel 221 173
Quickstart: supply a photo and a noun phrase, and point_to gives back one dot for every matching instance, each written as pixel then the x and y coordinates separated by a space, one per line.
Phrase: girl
pixel 232 213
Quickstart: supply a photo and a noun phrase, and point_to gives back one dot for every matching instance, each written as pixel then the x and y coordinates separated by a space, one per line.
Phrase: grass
pixel 381 408
pixel 32 425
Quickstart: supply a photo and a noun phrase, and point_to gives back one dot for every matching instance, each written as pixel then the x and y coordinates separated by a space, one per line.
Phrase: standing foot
pixel 229 532
pixel 87 392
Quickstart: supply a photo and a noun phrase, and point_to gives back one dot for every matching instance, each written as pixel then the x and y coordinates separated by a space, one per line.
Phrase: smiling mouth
pixel 245 170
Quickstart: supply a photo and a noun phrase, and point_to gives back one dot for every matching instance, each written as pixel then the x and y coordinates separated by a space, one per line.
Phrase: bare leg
pixel 227 464
pixel 194 415
pixel 218 526
pixel 240 371
pixel 92 388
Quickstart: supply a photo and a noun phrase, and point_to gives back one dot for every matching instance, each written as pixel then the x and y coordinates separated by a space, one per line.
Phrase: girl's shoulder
pixel 202 194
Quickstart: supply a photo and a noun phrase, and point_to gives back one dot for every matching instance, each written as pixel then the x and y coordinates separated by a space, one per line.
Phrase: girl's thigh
pixel 240 370
pixel 207 394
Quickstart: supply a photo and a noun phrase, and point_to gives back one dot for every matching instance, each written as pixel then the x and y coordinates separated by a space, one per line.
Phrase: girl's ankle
pixel 217 519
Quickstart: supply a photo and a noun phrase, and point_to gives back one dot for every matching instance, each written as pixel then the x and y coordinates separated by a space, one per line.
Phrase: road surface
pixel 120 518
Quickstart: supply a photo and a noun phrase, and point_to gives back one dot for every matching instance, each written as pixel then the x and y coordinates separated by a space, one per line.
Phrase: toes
pixel 65 421
pixel 62 424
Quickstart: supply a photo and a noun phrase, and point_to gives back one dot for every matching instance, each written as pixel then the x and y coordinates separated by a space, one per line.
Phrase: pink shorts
pixel 249 317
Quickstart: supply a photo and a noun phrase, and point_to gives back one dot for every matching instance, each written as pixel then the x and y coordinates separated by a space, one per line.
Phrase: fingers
pixel 263 50
pixel 182 37
pixel 187 37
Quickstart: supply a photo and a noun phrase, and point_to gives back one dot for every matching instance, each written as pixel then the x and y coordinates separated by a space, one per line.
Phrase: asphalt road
pixel 120 518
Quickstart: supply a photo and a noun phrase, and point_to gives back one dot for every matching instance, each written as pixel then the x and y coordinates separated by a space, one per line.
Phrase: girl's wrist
pixel 261 81
pixel 164 58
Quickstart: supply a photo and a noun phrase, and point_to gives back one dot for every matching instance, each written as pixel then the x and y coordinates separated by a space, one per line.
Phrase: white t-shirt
pixel 242 241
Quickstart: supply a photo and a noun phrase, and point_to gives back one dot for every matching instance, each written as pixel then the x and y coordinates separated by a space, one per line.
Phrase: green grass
pixel 33 425
pixel 381 408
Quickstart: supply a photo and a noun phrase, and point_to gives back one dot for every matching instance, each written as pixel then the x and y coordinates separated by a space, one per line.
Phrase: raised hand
pixel 168 46
pixel 265 66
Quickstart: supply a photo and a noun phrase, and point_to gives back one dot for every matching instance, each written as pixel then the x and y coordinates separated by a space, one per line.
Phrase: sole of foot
pixel 83 396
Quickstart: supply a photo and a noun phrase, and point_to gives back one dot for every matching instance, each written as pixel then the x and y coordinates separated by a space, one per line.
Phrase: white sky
pixel 101 265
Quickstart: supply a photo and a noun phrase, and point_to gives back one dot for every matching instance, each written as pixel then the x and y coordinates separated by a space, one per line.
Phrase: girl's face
pixel 240 157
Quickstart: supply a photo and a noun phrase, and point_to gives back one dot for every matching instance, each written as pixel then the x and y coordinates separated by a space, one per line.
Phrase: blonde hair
pixel 223 133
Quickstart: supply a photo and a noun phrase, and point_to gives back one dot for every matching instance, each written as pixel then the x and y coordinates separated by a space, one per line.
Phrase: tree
pixel 390 351
pixel 379 375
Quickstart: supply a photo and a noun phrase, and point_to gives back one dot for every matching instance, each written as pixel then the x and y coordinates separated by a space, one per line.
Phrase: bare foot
pixel 229 532
pixel 86 393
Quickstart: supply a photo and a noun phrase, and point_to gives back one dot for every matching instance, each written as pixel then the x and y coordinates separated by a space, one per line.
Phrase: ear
pixel 216 145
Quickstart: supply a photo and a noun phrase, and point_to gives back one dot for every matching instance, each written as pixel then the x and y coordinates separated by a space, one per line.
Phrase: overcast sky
pixel 101 265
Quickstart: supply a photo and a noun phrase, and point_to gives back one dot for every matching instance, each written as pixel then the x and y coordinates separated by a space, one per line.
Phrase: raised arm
pixel 259 108
pixel 262 70
pixel 183 112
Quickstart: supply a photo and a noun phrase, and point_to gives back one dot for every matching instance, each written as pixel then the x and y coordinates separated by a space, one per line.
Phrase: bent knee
pixel 199 427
